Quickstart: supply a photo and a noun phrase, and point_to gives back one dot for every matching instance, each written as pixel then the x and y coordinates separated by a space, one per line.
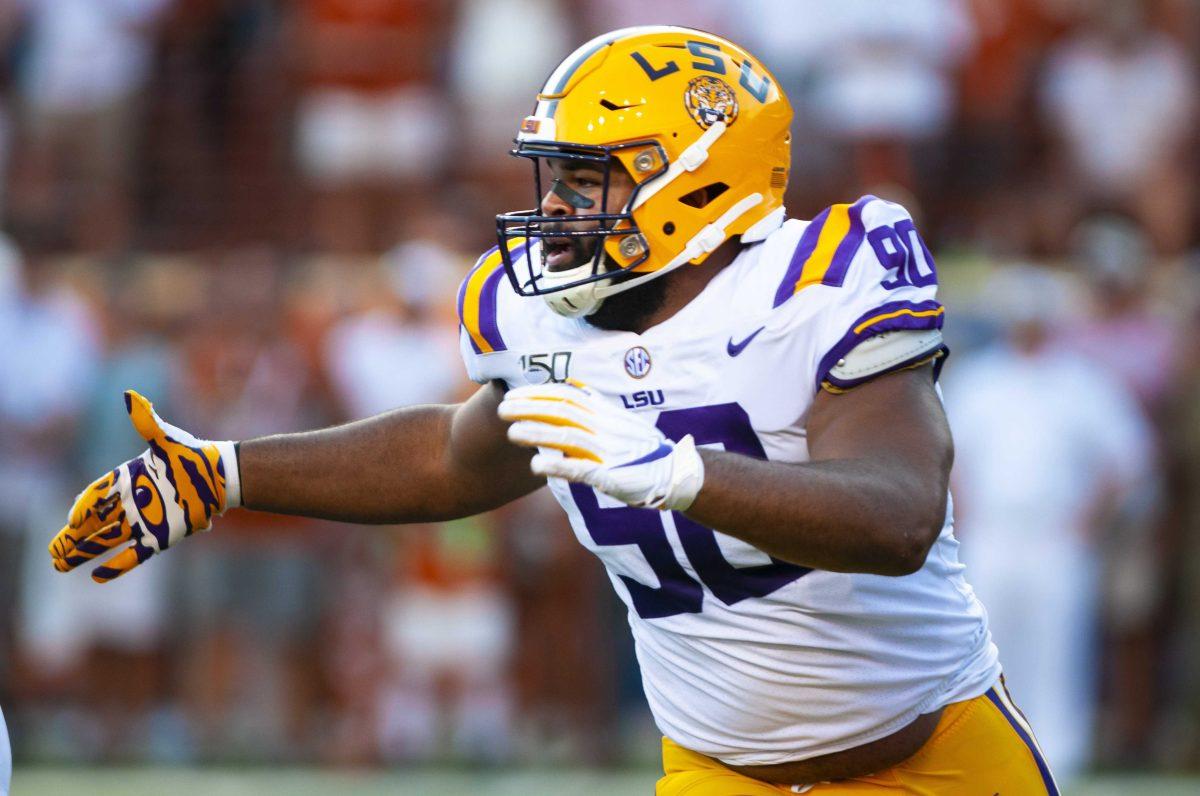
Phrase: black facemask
pixel 587 233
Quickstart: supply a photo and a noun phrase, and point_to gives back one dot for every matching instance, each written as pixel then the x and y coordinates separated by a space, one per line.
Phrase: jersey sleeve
pixel 879 309
pixel 481 300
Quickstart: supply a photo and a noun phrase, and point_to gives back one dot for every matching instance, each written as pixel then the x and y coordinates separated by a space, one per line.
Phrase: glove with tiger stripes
pixel 147 504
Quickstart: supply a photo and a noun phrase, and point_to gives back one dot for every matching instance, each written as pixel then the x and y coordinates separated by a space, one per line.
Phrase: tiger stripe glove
pixel 584 438
pixel 171 491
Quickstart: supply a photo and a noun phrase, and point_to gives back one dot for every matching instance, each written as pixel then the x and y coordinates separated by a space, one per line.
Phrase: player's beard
pixel 626 311
pixel 629 311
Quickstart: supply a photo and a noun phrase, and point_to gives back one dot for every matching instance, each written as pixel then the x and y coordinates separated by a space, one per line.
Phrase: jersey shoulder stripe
pixel 889 317
pixel 478 296
pixel 825 250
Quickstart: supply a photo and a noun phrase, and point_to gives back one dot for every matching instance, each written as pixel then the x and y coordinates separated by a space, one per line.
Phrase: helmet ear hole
pixel 669 228
pixel 702 196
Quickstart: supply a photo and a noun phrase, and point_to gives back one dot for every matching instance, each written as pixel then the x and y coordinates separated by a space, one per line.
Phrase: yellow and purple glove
pixel 172 490
pixel 582 437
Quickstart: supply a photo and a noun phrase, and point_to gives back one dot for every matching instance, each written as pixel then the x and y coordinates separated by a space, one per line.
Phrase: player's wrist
pixel 228 449
pixel 687 475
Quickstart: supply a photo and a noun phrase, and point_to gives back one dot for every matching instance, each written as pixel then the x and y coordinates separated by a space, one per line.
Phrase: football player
pixel 738 412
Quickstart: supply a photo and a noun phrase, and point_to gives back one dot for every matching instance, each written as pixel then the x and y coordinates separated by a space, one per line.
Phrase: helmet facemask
pixel 572 289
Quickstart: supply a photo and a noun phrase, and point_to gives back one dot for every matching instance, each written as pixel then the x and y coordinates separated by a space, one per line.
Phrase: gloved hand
pixel 594 442
pixel 171 491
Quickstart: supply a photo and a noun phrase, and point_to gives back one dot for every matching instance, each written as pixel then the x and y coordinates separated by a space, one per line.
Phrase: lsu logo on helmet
pixel 710 100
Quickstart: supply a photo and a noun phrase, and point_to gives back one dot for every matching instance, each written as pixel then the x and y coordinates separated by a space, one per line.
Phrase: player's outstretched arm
pixel 410 465
pixel 417 464
pixel 871 499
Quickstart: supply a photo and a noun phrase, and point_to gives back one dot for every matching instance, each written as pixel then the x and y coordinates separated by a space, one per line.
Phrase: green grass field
pixel 425 782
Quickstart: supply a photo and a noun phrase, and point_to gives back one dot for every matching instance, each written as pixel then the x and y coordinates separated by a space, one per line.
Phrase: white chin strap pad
pixel 574 302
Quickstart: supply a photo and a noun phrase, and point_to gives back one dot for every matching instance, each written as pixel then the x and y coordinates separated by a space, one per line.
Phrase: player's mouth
pixel 562 254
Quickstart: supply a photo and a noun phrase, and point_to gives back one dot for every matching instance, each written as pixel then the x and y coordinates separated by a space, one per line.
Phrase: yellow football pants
pixel 981 746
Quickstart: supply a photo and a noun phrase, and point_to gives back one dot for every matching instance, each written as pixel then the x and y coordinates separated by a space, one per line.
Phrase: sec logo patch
pixel 637 362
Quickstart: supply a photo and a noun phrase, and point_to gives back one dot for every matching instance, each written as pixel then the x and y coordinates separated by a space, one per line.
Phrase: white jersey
pixel 745 658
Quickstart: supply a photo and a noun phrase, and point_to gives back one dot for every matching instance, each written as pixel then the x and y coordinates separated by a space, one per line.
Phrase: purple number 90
pixel 904 255
pixel 679 593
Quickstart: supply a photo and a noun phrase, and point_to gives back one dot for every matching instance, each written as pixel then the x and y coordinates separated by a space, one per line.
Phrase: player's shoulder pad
pixel 838 238
pixel 876 285
pixel 884 353
pixel 479 299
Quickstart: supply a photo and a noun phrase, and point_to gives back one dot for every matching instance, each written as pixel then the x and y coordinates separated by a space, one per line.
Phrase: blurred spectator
pixel 445 621
pixel 47 370
pixel 993 148
pixel 216 164
pixel 1137 342
pixel 495 83
pixel 1122 332
pixel 1178 715
pixel 448 640
pixel 569 700
pixel 1120 97
pixel 403 319
pixel 82 71
pixel 872 76
pixel 605 15
pixel 1049 451
pixel 124 631
pixel 249 594
pixel 372 127
pixel 12 28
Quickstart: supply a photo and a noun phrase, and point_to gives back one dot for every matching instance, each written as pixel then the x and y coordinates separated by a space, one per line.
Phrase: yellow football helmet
pixel 680 110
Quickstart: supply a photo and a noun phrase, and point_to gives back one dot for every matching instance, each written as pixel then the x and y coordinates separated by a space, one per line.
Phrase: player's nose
pixel 555 205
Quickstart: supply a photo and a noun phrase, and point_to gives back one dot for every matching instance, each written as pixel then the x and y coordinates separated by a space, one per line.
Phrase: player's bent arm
pixel 417 464
pixel 871 499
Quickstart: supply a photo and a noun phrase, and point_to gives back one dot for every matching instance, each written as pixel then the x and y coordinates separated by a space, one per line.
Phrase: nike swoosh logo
pixel 733 349
pixel 662 450
pixel 612 106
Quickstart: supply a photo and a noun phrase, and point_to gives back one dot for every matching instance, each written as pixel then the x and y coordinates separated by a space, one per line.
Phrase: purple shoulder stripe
pixel 804 250
pixel 890 317
pixel 462 287
pixel 462 291
pixel 489 323
pixel 489 296
pixel 846 250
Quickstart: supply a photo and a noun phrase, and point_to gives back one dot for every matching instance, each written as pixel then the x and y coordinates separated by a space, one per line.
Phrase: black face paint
pixel 571 196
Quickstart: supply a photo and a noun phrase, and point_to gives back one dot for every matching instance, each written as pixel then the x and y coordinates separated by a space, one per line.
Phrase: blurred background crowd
pixel 256 212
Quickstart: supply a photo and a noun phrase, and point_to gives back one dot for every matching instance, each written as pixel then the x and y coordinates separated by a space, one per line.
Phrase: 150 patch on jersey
pixel 543 368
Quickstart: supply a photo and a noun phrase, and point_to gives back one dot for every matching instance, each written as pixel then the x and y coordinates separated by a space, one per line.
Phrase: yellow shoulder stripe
pixel 885 316
pixel 836 227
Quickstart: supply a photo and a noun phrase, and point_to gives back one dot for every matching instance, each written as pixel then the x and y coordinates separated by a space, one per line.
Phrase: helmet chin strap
pixel 706 241
pixel 585 299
